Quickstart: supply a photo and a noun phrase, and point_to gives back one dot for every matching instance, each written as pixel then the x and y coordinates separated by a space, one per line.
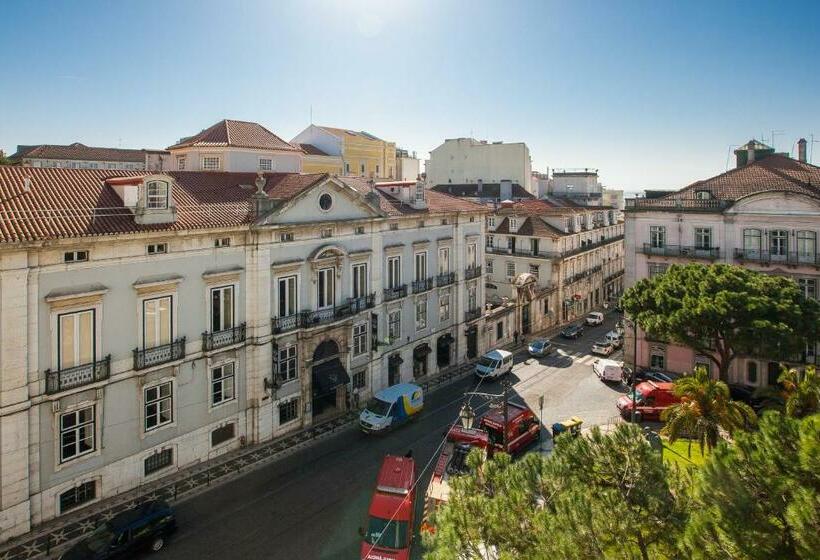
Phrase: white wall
pixel 323 140
pixel 465 160
pixel 408 168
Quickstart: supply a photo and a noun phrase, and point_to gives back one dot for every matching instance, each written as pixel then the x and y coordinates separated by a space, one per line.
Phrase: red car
pixel 651 399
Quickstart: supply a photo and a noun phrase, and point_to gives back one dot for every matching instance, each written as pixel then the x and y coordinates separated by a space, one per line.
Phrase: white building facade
pixel 466 161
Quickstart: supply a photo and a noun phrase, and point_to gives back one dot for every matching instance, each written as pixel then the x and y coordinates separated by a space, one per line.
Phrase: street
pixel 310 504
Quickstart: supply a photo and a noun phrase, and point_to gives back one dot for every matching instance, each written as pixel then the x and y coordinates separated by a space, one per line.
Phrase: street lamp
pixel 634 325
pixel 466 415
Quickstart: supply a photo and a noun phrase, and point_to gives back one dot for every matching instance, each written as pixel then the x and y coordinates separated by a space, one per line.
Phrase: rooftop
pixel 488 190
pixel 312 150
pixel 236 134
pixel 80 152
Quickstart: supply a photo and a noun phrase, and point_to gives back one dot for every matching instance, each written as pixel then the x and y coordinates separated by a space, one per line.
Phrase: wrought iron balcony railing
pixel 157 355
pixel 284 324
pixel 472 272
pixel 423 285
pixel 77 376
pixel 227 337
pixel 767 258
pixel 472 314
pixel 395 293
pixel 353 306
pixel 688 251
pixel 445 278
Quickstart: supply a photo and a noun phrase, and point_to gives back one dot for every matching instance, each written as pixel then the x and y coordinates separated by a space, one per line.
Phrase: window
pixel 421 266
pixel 180 163
pixel 657 236
pixel 806 243
pixel 285 237
pixel 158 461
pixel 326 288
pixel 394 325
pixel 222 242
pixel 287 363
pixel 534 270
pixel 657 358
pixel 472 301
pixel 77 433
pixel 808 286
pixel 490 221
pixel 159 403
pixel 287 296
pixel 703 195
pixel 77 496
pixel 288 411
pixel 210 163
pixel 421 313
pixel 347 168
pixel 510 269
pixel 444 260
pixel 703 238
pixel 325 202
pixel 359 339
pixel 445 222
pixel 359 379
pixel 156 322
pixel 394 226
pixel 778 242
pixel 393 272
pixel 75 256
pixel 471 255
pixel 265 164
pixel 223 434
pixel 359 230
pixel 513 224
pixel 223 383
pixel 327 233
pixel 751 241
pixel 76 338
pixel 472 219
pixel 751 373
pixel 359 280
pixel 377 170
pixel 499 330
pixel 157 248
pixel 361 169
pixel 534 245
pixel 657 268
pixel 157 194
pixel 222 308
pixel 490 266
pixel 444 306
pixel 490 241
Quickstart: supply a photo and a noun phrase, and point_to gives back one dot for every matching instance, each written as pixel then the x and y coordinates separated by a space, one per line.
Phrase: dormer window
pixel 703 195
pixel 513 224
pixel 156 194
pixel 210 163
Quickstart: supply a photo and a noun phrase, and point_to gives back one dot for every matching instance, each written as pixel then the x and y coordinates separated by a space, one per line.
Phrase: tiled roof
pixel 538 207
pixel 342 132
pixel 312 150
pixel 436 202
pixel 488 190
pixel 533 226
pixel 80 152
pixel 236 134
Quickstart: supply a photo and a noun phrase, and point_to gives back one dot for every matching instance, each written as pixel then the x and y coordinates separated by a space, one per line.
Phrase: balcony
pixel 472 314
pixel 613 276
pixel 687 251
pixel 284 324
pixel 157 355
pixel 472 272
pixel 528 252
pixel 676 204
pixel 424 285
pixel 445 279
pixel 309 319
pixel 766 258
pixel 590 246
pixel 77 376
pixel 227 337
pixel 583 274
pixel 396 292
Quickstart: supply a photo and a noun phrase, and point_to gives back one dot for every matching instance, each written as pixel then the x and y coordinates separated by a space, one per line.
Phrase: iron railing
pixel 528 252
pixel 148 357
pixel 590 246
pixel 445 278
pixel 689 251
pixel 77 376
pixel 395 293
pixel 423 285
pixel 676 204
pixel 768 258
pixel 472 314
pixel 613 276
pixel 353 306
pixel 583 274
pixel 284 324
pixel 227 337
pixel 472 272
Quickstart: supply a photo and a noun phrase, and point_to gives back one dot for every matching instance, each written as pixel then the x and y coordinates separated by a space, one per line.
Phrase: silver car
pixel 539 347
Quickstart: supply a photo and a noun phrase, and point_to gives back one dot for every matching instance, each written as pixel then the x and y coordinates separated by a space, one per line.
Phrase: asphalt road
pixel 310 504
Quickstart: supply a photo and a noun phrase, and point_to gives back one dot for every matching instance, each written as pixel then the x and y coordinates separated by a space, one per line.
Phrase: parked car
pixel 494 364
pixel 573 331
pixel 594 318
pixel 603 348
pixel 616 338
pixel 391 407
pixel 147 526
pixel 650 399
pixel 539 347
pixel 747 394
pixel 608 370
pixel 649 375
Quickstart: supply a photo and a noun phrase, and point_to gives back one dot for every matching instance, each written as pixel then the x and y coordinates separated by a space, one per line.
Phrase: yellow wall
pixel 322 164
pixel 357 150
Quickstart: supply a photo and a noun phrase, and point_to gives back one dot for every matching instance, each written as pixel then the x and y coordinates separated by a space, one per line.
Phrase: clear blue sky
pixel 651 92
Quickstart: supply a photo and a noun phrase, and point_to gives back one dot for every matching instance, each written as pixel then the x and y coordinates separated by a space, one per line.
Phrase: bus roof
pixel 390 394
pixel 396 475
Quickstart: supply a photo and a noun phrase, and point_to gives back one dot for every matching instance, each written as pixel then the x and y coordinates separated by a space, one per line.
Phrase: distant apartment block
pixel 460 161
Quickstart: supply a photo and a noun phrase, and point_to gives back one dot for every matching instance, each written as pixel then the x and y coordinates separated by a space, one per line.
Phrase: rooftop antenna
pixel 777 132
pixel 811 147
pixel 729 154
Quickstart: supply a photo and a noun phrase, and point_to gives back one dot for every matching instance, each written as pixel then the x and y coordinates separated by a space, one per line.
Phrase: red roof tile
pixel 80 152
pixel 312 150
pixel 237 134
pixel 436 202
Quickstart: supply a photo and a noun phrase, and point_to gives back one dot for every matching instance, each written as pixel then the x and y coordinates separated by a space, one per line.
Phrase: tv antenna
pixel 778 133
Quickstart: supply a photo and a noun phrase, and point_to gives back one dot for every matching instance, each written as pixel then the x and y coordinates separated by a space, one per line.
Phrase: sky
pixel 652 93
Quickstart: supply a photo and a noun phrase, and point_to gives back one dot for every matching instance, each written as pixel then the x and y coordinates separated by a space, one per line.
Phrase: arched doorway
pixel 443 345
pixel 329 378
pixel 420 360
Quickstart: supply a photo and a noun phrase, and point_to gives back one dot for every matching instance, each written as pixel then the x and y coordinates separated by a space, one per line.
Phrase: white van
pixel 608 370
pixel 494 364
pixel 594 318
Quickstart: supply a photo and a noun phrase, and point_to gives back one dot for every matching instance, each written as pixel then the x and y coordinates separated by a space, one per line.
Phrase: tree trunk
pixel 642 547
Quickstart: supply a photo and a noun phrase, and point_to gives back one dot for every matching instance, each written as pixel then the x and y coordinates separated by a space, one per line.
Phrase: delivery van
pixel 608 370
pixel 494 364
pixel 391 407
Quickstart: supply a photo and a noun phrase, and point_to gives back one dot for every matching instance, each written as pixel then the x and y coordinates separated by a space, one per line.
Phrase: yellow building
pixel 346 152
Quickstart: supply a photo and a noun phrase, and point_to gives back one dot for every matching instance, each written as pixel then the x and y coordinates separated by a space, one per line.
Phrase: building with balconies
pixel 764 215
pixel 150 321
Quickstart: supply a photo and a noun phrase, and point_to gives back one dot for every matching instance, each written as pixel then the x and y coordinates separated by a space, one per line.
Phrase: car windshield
pixel 386 533
pixel 378 407
pixel 638 396
pixel 537 343
pixel 487 362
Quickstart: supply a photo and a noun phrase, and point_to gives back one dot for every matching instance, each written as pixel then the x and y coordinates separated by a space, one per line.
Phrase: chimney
pixel 801 150
pixel 480 187
pixel 750 153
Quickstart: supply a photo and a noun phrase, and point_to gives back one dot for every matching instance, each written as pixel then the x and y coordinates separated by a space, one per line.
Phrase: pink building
pixel 764 215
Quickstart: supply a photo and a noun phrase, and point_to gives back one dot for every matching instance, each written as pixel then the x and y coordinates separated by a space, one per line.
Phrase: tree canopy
pixel 723 311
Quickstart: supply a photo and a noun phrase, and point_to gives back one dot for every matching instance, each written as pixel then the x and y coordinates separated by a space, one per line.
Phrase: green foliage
pixel 797 393
pixel 704 409
pixel 758 499
pixel 722 311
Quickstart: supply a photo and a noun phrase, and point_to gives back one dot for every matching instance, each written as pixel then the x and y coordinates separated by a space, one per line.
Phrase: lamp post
pixel 634 325
pixel 467 413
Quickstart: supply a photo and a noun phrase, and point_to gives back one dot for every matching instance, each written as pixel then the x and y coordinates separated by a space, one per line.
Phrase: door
pixel 773 372
pixel 525 319
pixel 393 372
pixel 472 343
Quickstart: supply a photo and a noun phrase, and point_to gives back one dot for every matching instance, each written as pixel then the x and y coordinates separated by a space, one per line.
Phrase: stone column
pixel 258 335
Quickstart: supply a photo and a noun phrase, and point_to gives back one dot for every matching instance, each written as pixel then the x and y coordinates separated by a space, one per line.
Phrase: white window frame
pixel 490 221
pixel 75 318
pixel 534 269
pixel 157 326
pixel 394 325
pixel 159 401
pixel 326 298
pixel 513 224
pixel 420 307
pixel 510 269
pixel 225 382
pixel 288 362
pixel 206 157
pixel 394 272
pixel 490 241
pixel 80 426
pixel 360 339
pixel 291 402
pixel 420 266
pixel 443 260
pixel 703 234
pixel 806 243
pixel 657 352
pixel 782 235
pixel 489 266
pixel 657 237
pixel 472 296
pixel 359 280
pixel 225 294
pixel 750 236
pixel 157 201
pixel 181 160
pixel 265 164
pixel 472 255
pixel 444 306
pixel 287 286
pixel 808 287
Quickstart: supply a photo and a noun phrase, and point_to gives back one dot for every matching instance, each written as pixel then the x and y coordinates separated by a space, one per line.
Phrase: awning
pixel 445 339
pixel 395 359
pixel 329 375
pixel 421 350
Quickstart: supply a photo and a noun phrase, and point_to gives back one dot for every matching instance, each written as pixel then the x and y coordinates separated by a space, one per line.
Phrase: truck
pixel 651 399
pixel 389 531
pixel 522 429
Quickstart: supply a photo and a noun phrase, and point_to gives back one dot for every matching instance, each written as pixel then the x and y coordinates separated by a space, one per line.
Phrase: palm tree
pixel 797 392
pixel 704 409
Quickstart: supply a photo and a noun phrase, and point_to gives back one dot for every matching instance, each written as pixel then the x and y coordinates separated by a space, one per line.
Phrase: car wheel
pixel 638 417
pixel 157 544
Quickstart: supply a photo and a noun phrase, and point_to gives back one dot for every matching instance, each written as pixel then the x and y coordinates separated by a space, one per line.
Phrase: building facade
pixel 362 154
pixel 80 156
pixel 166 318
pixel 318 161
pixel 408 166
pixel 764 215
pixel 466 161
